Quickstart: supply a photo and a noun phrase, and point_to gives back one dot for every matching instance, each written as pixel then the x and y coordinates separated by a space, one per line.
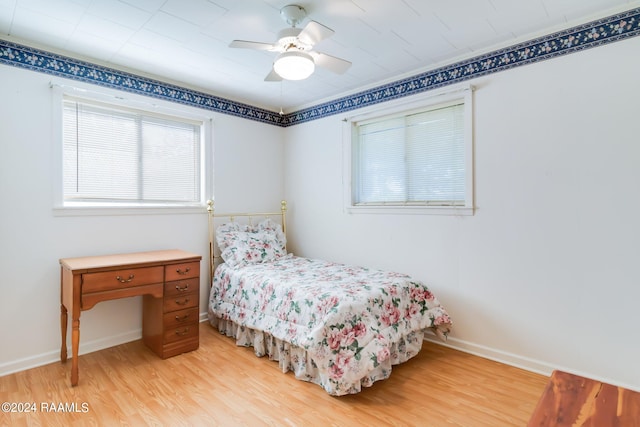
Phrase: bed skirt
pixel 298 360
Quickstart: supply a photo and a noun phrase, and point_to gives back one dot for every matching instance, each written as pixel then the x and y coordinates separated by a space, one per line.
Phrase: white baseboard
pixel 518 361
pixel 54 356
pixel 507 358
pixel 85 347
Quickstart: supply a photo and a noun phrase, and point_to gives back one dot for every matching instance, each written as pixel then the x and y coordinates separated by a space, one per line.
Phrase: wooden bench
pixel 571 400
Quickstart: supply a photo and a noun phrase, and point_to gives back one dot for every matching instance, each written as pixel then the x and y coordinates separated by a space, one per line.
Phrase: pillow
pixel 243 248
pixel 270 226
pixel 223 231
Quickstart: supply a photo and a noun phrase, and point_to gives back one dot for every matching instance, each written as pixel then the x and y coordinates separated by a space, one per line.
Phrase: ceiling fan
pixel 297 59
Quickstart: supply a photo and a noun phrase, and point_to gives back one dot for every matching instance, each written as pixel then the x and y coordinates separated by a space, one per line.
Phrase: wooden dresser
pixel 170 323
pixel 169 281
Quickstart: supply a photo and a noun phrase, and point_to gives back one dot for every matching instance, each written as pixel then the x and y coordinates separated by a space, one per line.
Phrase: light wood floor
pixel 221 384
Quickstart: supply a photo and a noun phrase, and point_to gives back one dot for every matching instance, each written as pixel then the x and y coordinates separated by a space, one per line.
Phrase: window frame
pixel 424 102
pixel 128 101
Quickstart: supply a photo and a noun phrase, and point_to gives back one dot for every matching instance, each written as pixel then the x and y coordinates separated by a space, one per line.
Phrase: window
pixel 414 158
pixel 117 156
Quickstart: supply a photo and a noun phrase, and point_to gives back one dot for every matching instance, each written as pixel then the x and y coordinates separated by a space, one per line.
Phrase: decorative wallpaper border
pixel 62 66
pixel 592 34
pixel 596 33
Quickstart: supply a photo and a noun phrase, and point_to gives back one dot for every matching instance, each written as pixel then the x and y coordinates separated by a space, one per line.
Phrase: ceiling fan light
pixel 294 65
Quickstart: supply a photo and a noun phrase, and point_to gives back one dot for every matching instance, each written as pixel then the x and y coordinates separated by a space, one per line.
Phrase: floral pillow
pixel 225 230
pixel 270 226
pixel 243 248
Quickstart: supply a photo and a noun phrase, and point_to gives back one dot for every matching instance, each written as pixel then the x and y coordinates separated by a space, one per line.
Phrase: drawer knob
pixel 182 318
pixel 179 302
pixel 121 280
pixel 183 272
pixel 185 331
pixel 183 288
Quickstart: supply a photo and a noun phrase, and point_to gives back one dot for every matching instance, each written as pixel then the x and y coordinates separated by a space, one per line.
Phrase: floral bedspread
pixel 346 318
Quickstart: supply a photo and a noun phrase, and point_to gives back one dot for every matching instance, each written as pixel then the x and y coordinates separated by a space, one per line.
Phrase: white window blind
pixel 118 155
pixel 415 158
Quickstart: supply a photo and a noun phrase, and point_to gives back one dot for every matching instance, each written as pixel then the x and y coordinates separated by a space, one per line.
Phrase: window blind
pixel 119 155
pixel 417 158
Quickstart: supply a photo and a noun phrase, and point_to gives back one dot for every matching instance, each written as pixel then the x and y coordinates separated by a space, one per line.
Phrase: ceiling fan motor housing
pixel 288 38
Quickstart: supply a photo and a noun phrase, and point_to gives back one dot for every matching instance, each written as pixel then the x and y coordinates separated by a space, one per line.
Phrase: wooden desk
pixel 169 281
pixel 573 401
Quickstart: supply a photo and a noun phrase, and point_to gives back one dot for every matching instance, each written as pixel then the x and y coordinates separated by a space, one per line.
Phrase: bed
pixel 341 327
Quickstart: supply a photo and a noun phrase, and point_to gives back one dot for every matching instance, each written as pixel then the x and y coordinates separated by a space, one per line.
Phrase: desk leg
pixel 63 331
pixel 75 341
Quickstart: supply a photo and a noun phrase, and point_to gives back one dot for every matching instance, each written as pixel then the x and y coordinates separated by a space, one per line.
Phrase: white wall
pixel 248 175
pixel 545 274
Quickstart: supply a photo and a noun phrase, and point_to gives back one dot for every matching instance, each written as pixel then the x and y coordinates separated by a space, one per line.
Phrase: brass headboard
pixel 231 217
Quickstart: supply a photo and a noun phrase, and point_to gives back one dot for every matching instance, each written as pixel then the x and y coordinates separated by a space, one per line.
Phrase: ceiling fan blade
pixel 243 44
pixel 273 77
pixel 331 63
pixel 313 32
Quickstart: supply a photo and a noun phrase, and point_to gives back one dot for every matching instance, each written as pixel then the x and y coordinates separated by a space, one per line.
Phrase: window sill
pixel 126 210
pixel 412 210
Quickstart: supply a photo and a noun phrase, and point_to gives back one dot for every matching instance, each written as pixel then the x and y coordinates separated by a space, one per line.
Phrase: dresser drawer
pixel 180 302
pixel 122 278
pixel 185 270
pixel 181 346
pixel 180 318
pixel 181 287
pixel 181 332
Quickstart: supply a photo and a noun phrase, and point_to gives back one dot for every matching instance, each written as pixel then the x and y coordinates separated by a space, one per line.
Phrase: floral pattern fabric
pixel 247 244
pixel 249 248
pixel 350 321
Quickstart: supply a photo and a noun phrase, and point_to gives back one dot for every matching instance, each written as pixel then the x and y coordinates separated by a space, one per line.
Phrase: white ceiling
pixel 186 41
